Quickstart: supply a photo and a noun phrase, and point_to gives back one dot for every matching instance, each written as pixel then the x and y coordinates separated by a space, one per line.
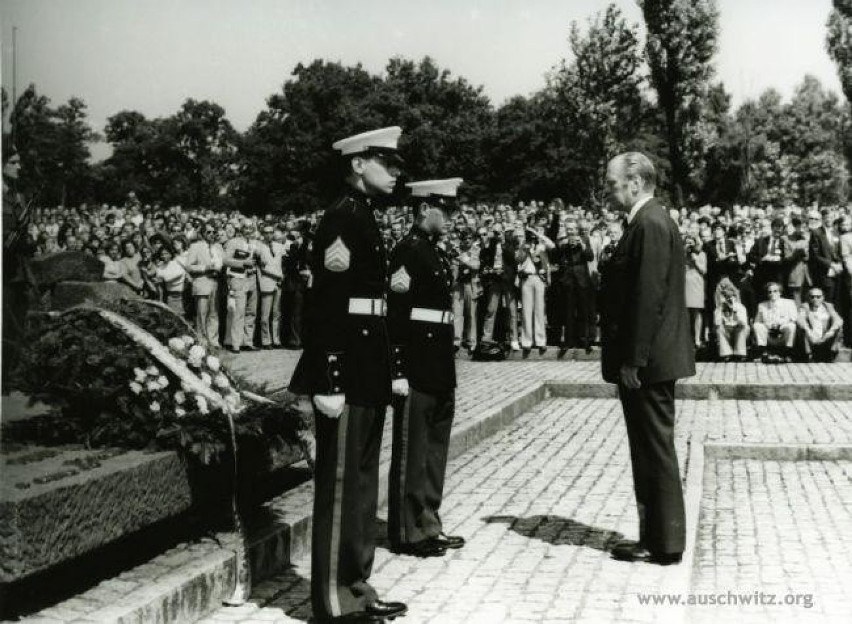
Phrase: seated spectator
pixel 775 326
pixel 821 327
pixel 730 321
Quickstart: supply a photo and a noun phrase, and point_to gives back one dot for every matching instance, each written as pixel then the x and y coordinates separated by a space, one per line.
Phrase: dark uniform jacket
pixel 425 351
pixel 643 305
pixel 346 353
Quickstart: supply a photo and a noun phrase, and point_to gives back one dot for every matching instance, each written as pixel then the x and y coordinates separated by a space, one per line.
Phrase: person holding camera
pixel 466 292
pixel 242 257
pixel 204 262
pixel 534 272
pixel 297 280
pixel 730 321
pixel 574 255
pixel 774 326
pixel 498 267
pixel 696 269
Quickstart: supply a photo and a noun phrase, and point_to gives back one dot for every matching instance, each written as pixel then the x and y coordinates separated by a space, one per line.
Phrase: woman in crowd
pixel 730 322
pixel 696 269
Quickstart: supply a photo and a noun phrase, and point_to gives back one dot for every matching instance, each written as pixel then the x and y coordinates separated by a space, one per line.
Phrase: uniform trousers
pixel 346 483
pixel 534 325
pixel 270 318
pixel 649 413
pixel 242 311
pixel 421 438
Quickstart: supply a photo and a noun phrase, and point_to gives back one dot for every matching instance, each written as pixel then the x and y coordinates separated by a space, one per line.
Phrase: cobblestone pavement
pixel 542 501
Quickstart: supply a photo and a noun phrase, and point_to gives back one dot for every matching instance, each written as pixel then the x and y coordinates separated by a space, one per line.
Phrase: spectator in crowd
pixel 730 322
pixel 798 277
pixel 534 274
pixel 823 257
pixel 499 270
pixel 573 256
pixel 821 327
pixel 767 256
pixel 241 260
pixel 171 275
pixel 204 262
pixel 467 289
pixel 270 280
pixel 696 269
pixel 297 281
pixel 846 260
pixel 774 326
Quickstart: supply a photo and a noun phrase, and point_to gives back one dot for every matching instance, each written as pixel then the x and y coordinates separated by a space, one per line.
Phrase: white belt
pixel 428 315
pixel 370 307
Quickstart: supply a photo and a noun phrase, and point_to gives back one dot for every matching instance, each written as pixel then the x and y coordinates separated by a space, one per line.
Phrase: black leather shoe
pixel 526 352
pixel 234 351
pixel 562 352
pixel 449 541
pixel 632 551
pixel 542 350
pixel 424 548
pixel 389 610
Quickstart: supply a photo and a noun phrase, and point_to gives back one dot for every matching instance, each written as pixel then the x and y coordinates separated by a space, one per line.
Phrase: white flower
pixel 180 397
pixel 197 352
pixel 135 387
pixel 185 387
pixel 163 381
pixel 206 379
pixel 177 345
pixel 221 381
pixel 153 371
pixel 140 374
pixel 154 407
pixel 232 400
pixel 180 412
pixel 194 362
pixel 212 363
pixel 152 386
pixel 201 402
pixel 188 340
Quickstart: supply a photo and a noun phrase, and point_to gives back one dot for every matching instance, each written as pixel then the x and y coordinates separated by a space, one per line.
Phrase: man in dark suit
pixel 646 347
pixel 498 264
pixel 769 257
pixel 823 257
pixel 346 369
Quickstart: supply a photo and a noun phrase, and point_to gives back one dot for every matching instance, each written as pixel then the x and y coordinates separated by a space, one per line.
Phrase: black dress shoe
pixel 389 610
pixel 449 541
pixel 423 548
pixel 632 551
pixel 542 350
pixel 526 352
pixel 234 351
pixel 562 352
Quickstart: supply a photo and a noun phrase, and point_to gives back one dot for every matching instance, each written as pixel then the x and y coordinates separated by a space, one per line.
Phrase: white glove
pixel 400 387
pixel 330 404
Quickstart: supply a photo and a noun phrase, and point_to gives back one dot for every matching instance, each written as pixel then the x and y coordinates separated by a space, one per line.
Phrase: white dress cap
pixel 382 139
pixel 443 188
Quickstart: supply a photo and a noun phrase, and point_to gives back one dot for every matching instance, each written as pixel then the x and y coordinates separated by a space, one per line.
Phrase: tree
pixel 597 96
pixel 681 42
pixel 839 42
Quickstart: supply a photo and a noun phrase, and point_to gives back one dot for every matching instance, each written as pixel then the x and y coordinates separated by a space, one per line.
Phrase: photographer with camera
pixel 774 326
pixel 573 256
pixel 534 273
pixel 498 267
pixel 730 321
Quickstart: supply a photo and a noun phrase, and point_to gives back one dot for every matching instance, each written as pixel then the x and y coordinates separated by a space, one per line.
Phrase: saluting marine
pixel 422 338
pixel 345 367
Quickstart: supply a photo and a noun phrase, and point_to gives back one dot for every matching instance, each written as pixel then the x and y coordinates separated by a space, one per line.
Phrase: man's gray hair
pixel 637 165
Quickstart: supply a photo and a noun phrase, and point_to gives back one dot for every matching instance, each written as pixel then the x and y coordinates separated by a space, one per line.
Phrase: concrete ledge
pixel 699 391
pixel 779 452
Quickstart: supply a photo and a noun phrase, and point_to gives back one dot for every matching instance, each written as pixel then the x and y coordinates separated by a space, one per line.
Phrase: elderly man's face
pixel 622 191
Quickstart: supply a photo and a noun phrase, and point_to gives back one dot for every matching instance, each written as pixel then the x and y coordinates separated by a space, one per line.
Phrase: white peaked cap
pixel 444 188
pixel 384 138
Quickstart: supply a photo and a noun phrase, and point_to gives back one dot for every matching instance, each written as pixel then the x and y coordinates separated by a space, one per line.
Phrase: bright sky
pixel 150 55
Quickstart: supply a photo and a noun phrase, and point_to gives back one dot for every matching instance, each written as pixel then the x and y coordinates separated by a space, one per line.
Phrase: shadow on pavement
pixel 293 597
pixel 560 531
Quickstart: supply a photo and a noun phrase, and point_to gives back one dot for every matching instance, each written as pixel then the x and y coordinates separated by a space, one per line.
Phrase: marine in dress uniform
pixel 421 326
pixel 345 367
pixel 646 346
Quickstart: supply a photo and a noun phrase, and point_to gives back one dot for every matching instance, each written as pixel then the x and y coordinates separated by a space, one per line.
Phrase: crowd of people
pixel 768 284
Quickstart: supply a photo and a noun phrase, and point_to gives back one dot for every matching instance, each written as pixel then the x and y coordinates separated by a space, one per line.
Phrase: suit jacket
pixel 807 318
pixel 643 301
pixel 821 253
pixel 769 271
pixel 785 312
pixel 203 263
pixel 720 266
pixel 510 261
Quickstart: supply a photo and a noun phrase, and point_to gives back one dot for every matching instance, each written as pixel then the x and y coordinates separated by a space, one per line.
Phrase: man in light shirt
pixel 821 327
pixel 270 278
pixel 775 326
pixel 204 262
pixel 241 259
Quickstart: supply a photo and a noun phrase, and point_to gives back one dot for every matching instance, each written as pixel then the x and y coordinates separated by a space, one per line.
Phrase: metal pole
pixel 14 65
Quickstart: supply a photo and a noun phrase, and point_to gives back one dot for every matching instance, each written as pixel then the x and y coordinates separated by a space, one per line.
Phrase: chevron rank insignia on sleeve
pixel 337 256
pixel 400 281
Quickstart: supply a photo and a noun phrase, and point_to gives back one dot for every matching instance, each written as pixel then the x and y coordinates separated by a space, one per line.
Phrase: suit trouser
pixel 294 304
pixel 763 338
pixel 579 315
pixel 533 328
pixel 649 413
pixel 243 312
pixel 496 291
pixel 346 483
pixel 421 439
pixel 207 316
pixel 270 317
pixel 464 313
